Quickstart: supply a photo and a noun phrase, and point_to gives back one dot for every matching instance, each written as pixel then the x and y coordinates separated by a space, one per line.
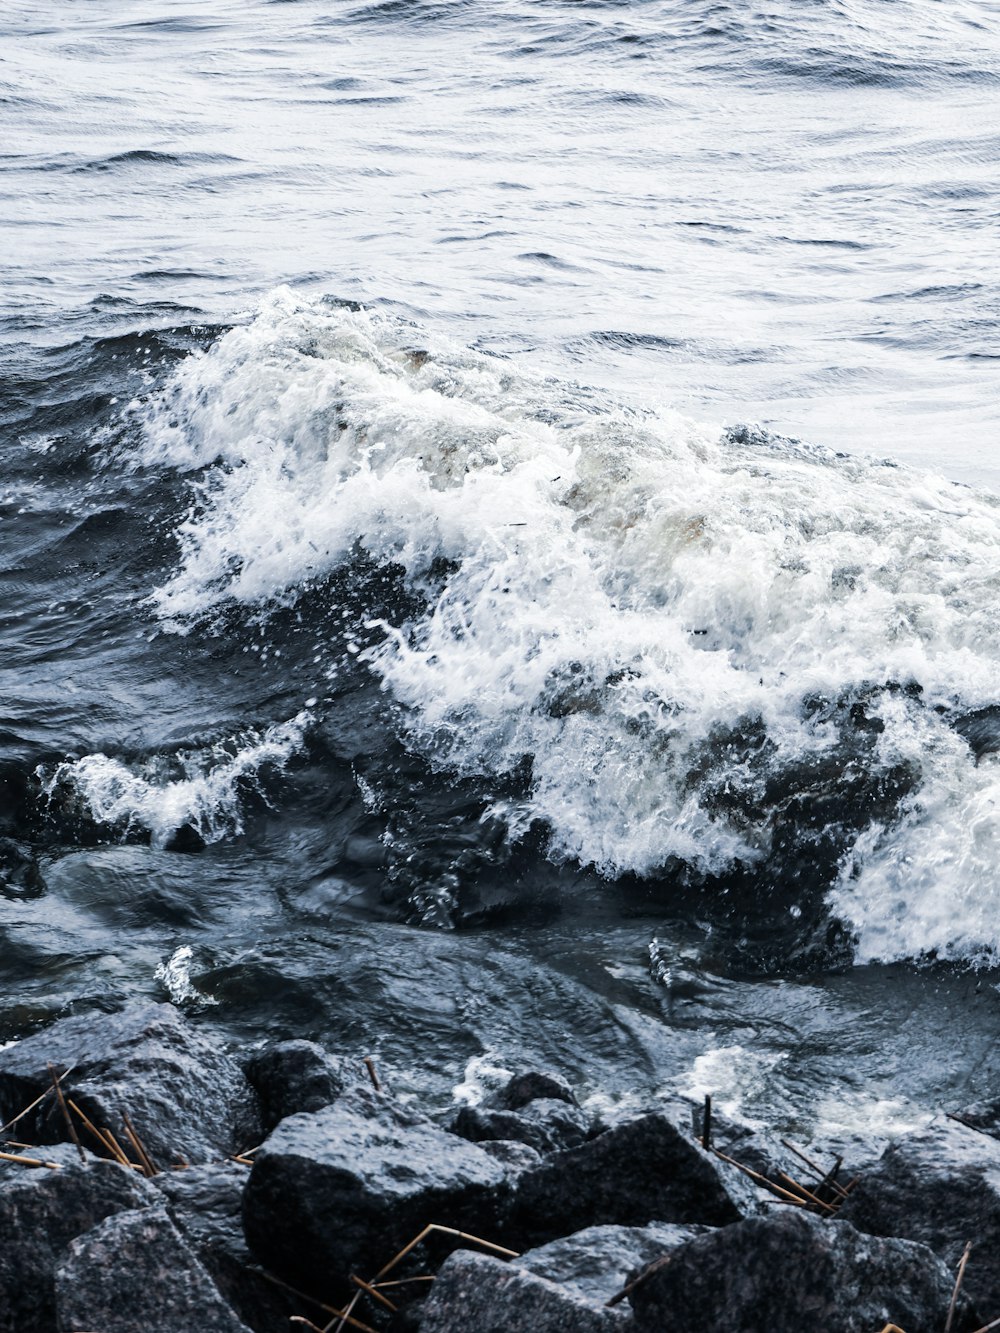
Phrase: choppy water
pixel 515 486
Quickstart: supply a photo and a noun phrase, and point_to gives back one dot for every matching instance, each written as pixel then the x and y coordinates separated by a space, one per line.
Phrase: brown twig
pixel 148 1166
pixel 243 1161
pixel 66 1115
pixel 445 1231
pixel 346 1317
pixel 402 1281
pixel 762 1180
pixel 117 1148
pixel 28 1161
pixel 369 1064
pixel 813 1198
pixel 986 1328
pixel 827 1179
pixel 37 1102
pixel 706 1123
pixel 308 1323
pixel 88 1125
pixel 958 1285
pixel 374 1292
pixel 647 1272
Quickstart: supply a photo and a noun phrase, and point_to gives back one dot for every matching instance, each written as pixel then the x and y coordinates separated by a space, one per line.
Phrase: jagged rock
pixel 41 1211
pixel 134 1271
pixel 940 1186
pixel 546 1124
pixel 475 1293
pixel 205 1203
pixel 644 1170
pixel 792 1271
pixel 343 1189
pixel 596 1263
pixel 294 1076
pixel 531 1086
pixel 187 1099
pixel 514 1157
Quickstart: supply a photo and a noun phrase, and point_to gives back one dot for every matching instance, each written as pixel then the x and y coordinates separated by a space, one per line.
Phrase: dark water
pixel 403 643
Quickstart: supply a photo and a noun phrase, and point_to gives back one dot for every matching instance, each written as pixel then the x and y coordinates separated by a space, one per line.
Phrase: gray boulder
pixel 940 1186
pixel 294 1076
pixel 514 1157
pixel 792 1271
pixel 644 1170
pixel 134 1271
pixel 475 1293
pixel 187 1099
pixel 545 1124
pixel 41 1211
pixel 596 1263
pixel 205 1203
pixel 341 1190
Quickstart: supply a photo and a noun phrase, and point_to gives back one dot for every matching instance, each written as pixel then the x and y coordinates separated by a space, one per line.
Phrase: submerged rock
pixel 475 1293
pixel 41 1212
pixel 134 1271
pixel 792 1271
pixel 294 1076
pixel 940 1186
pixel 343 1189
pixel 640 1171
pixel 187 1099
pixel 531 1086
pixel 20 876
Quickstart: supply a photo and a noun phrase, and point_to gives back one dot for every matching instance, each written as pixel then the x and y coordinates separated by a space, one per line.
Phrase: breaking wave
pixel 717 653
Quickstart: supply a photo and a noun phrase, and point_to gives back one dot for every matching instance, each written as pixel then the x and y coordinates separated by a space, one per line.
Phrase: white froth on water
pixel 735 1077
pixel 622 586
pixel 202 788
pixel 483 1076
pixel 175 974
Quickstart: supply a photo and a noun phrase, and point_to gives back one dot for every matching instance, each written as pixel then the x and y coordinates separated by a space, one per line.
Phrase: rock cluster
pixel 244 1193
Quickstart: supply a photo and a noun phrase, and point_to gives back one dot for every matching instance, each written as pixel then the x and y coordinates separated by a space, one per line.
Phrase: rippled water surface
pixel 499 548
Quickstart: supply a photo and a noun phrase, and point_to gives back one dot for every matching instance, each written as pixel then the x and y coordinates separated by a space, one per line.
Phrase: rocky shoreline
pixel 152 1180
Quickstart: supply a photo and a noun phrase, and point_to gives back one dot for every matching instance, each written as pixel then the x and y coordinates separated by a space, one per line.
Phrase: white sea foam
pixel 203 787
pixel 175 974
pixel 624 585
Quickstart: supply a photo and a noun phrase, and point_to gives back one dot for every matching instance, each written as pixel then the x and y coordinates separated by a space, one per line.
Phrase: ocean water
pixel 500 538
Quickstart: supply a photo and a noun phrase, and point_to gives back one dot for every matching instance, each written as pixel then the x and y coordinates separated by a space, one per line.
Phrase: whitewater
pixel 499 535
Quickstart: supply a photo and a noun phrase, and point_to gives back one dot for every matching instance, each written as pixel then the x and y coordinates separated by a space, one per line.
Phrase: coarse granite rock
pixel 342 1189
pixel 941 1186
pixel 644 1170
pixel 475 1293
pixel 134 1271
pixel 791 1271
pixel 545 1124
pixel 596 1263
pixel 294 1076
pixel 513 1156
pixel 531 1086
pixel 187 1099
pixel 205 1203
pixel 41 1211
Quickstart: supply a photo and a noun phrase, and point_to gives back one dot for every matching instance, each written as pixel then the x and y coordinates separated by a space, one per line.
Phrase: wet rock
pixel 20 876
pixel 294 1076
pixel 545 1125
pixel 205 1203
pixel 185 839
pixel 341 1190
pixel 596 1263
pixel 531 1086
pixel 644 1170
pixel 187 1099
pixel 134 1271
pixel 940 1186
pixel 514 1157
pixel 792 1271
pixel 41 1211
pixel 475 1293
